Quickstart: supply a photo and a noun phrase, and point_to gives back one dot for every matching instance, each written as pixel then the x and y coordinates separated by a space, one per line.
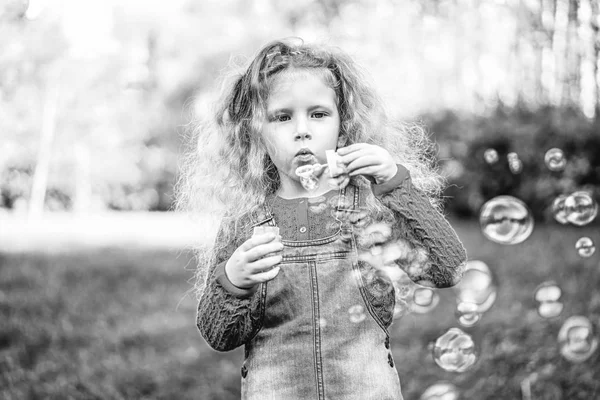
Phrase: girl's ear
pixel 342 140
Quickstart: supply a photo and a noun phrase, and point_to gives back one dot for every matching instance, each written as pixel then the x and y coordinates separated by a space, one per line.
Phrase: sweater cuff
pixel 389 186
pixel 223 280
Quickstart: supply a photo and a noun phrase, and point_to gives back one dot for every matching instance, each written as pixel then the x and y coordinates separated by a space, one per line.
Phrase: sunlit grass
pixel 120 324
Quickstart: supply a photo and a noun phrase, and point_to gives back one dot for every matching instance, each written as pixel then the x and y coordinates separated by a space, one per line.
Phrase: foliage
pixel 135 337
pixel 463 139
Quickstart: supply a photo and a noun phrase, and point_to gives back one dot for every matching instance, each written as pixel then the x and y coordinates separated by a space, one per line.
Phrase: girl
pixel 308 295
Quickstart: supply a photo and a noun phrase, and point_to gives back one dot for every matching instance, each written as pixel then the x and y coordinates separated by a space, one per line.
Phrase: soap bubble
pixel 467 314
pixel 585 247
pixel 440 391
pixel 581 208
pixel 512 156
pixel 558 209
pixel 455 351
pixel 357 313
pixel 514 163
pixel 548 294
pixel 490 156
pixel 424 300
pixel 576 339
pixel 555 159
pixel 309 175
pixel 506 220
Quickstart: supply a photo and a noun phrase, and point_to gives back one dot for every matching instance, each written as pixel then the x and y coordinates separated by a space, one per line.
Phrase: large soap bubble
pixel 555 159
pixel 576 339
pixel 506 220
pixel 548 294
pixel 585 247
pixel 581 208
pixel 455 351
pixel 440 391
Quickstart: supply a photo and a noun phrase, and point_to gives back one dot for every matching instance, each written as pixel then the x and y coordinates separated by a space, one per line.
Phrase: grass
pixel 119 324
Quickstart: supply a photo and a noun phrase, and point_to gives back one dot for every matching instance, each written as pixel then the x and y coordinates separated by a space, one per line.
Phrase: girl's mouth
pixel 306 157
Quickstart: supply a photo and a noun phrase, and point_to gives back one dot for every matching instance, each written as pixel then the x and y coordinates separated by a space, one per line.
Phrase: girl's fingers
pixel 257 240
pixel 366 161
pixel 264 264
pixel 267 275
pixel 342 151
pixel 262 250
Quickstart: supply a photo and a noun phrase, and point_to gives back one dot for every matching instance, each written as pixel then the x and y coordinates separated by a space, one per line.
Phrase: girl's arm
pixel 228 316
pixel 437 257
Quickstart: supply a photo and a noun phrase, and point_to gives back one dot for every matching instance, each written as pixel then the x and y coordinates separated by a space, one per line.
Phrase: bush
pixel 463 139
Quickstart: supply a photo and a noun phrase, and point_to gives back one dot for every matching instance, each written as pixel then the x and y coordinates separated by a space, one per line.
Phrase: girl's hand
pixel 370 160
pixel 246 267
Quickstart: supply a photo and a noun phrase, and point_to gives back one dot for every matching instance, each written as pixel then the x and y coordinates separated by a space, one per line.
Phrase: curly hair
pixel 227 172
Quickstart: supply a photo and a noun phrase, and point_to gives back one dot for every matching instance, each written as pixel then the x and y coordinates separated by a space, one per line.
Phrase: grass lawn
pixel 119 324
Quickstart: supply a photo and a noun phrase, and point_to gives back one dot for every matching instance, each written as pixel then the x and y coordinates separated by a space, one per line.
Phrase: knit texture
pixel 229 317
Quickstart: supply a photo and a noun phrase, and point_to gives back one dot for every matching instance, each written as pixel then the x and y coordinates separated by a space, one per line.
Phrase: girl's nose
pixel 302 132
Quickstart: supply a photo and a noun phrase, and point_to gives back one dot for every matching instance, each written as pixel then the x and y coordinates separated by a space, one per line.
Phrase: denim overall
pixel 321 337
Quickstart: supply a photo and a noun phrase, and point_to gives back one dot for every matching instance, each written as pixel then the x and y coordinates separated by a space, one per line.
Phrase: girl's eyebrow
pixel 289 110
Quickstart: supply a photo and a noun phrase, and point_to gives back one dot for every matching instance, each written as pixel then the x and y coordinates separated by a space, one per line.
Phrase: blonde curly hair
pixel 226 171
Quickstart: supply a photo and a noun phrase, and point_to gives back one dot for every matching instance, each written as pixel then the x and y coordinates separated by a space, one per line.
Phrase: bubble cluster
pixel 440 391
pixel 555 159
pixel 490 156
pixel 576 339
pixel 514 163
pixel 506 220
pixel 455 351
pixel 548 295
pixel 580 208
pixel 585 247
pixel 357 313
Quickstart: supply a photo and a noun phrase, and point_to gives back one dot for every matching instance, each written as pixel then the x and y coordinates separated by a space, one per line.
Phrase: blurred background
pixel 96 270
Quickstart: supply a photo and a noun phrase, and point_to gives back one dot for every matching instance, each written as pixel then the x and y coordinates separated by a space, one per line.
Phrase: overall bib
pixel 321 337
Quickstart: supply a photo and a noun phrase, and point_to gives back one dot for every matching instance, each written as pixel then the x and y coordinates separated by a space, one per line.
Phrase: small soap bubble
pixel 515 166
pixel 490 156
pixel 357 313
pixel 585 247
pixel 455 351
pixel 476 287
pixel 581 208
pixel 558 209
pixel 322 323
pixel 506 220
pixel 547 291
pixel 576 339
pixel 512 156
pixel 467 314
pixel 424 300
pixel 555 160
pixel 440 391
pixel 550 309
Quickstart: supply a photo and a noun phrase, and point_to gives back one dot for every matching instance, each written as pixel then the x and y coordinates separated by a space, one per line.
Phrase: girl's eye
pixel 319 114
pixel 282 118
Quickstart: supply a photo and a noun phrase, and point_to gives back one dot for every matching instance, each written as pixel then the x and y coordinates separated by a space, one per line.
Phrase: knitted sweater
pixel 229 316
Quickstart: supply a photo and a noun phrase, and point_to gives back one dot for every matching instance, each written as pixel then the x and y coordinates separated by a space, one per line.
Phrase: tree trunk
pixel 40 175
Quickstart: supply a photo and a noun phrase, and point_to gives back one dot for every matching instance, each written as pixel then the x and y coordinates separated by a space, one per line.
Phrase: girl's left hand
pixel 370 160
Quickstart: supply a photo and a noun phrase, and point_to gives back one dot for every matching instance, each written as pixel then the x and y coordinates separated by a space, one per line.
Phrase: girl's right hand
pixel 246 267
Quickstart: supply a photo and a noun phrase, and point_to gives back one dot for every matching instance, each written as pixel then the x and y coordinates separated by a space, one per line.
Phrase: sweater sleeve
pixel 228 316
pixel 435 257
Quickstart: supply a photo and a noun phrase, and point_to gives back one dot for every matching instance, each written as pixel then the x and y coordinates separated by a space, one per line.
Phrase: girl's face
pixel 302 122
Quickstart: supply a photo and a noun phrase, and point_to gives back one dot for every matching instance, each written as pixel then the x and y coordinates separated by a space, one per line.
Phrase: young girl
pixel 298 274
